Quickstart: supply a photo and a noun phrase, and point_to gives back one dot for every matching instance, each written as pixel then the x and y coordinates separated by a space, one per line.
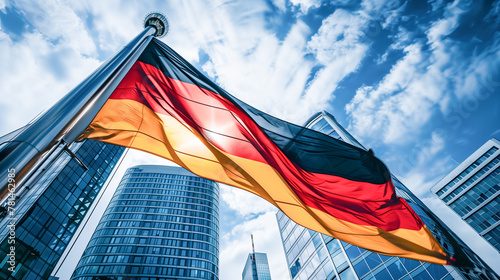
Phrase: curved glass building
pixel 162 223
pixel 311 255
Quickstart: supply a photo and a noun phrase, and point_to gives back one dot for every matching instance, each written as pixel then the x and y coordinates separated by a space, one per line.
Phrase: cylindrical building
pixel 162 223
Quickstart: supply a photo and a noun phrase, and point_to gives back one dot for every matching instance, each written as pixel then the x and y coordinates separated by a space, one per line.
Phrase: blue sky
pixel 418 82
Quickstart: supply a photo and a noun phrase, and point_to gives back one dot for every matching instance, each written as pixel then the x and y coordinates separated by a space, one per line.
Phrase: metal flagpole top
pixel 159 22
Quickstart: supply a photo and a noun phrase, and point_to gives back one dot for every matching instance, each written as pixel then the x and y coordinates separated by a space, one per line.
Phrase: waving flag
pixel 166 107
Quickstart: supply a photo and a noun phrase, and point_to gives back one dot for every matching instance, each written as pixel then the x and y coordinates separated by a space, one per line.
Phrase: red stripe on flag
pixel 232 131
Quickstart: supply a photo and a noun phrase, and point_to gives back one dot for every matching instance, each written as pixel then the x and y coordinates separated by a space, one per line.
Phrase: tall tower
pixel 311 255
pixel 256 266
pixel 46 214
pixel 162 222
pixel 472 190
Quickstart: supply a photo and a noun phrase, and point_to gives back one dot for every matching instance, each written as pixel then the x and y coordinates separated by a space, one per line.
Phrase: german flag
pixel 166 107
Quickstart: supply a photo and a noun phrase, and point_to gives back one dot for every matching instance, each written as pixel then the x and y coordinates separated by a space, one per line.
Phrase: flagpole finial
pixel 159 22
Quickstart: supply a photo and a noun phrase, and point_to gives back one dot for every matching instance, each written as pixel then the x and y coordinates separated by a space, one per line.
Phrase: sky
pixel 418 82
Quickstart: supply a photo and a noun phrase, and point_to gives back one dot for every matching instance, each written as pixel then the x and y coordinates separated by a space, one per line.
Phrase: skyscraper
pixel 256 267
pixel 472 190
pixel 48 211
pixel 311 255
pixel 162 223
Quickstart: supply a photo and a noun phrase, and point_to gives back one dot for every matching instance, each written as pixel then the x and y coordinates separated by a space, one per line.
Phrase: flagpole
pixel 66 120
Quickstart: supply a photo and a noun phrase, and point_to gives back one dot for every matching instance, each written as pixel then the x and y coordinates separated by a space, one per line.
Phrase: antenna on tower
pixel 253 248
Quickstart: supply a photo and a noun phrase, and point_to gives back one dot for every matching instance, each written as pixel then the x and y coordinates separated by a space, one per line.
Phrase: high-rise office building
pixel 161 223
pixel 47 212
pixel 311 255
pixel 256 267
pixel 472 190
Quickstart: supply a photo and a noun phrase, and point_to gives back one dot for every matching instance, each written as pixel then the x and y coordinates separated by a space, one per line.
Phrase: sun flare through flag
pixel 166 107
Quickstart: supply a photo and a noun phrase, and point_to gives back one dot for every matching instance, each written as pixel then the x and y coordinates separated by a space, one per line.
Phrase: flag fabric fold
pixel 166 107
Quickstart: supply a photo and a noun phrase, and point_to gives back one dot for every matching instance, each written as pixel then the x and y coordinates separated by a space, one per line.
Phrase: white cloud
pixel 494 14
pixel 480 73
pixel 267 74
pixel 446 25
pixel 305 5
pixel 254 65
pixel 400 103
pixel 436 4
pixel 253 204
pixel 339 35
pixel 280 4
pixel 114 22
pixel 338 46
pixel 39 73
pixel 423 165
pixel 387 12
pixel 422 83
pixel 58 21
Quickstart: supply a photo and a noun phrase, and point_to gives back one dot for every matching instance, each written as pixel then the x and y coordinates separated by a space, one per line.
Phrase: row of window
pixel 167 176
pixel 493 236
pixel 150 240
pixel 132 278
pixel 296 242
pixel 204 188
pixel 141 250
pixel 317 271
pixel 172 226
pixel 131 232
pixel 309 259
pixel 175 181
pixel 322 126
pixel 472 179
pixel 289 227
pixel 483 190
pixel 364 261
pixel 162 198
pixel 167 218
pixel 165 204
pixel 171 193
pixel 143 271
pixel 485 217
pixel 208 246
pixel 148 260
pixel 155 228
pixel 164 211
pixel 467 170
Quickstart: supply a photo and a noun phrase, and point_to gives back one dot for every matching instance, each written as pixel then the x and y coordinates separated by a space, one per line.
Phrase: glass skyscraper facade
pixel 161 223
pixel 258 269
pixel 314 256
pixel 472 190
pixel 49 209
